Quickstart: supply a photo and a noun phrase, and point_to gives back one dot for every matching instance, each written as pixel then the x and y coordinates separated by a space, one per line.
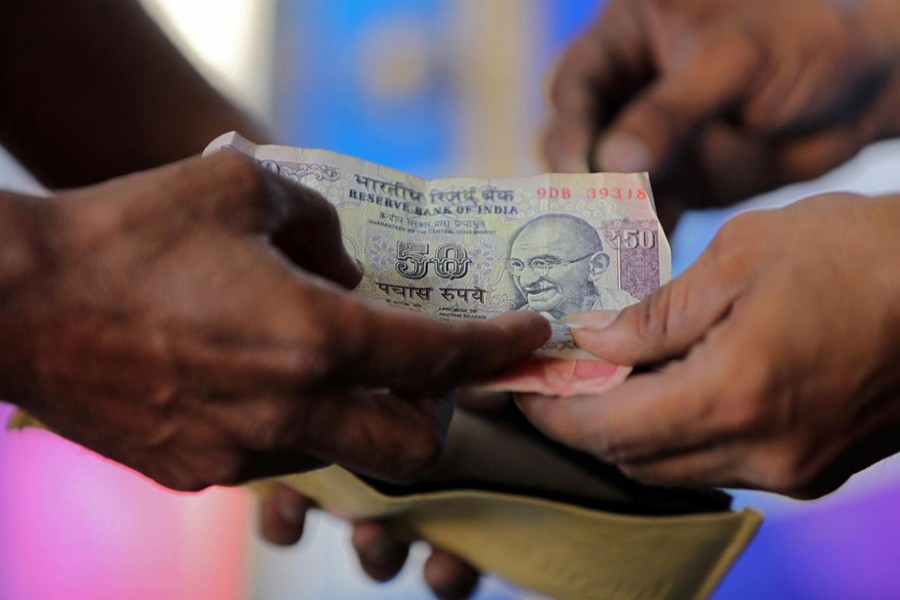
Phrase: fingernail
pixel 359 265
pixel 573 164
pixel 598 319
pixel 288 510
pixel 624 153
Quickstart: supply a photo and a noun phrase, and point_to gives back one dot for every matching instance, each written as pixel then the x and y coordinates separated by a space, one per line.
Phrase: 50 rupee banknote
pixel 472 248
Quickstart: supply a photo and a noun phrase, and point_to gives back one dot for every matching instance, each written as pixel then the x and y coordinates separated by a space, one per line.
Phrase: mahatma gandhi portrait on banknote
pixel 556 261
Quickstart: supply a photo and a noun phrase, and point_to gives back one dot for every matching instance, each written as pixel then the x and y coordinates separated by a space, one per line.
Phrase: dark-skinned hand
pixel 723 99
pixel 781 348
pixel 190 322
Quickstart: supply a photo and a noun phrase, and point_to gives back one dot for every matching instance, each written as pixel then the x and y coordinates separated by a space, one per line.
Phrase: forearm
pixel 93 89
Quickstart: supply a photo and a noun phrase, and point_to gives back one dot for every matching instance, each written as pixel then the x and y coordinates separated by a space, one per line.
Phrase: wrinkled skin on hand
pixel 783 341
pixel 189 322
pixel 724 99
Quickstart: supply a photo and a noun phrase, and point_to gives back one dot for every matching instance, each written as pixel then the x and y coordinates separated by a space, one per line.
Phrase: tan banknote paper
pixel 467 248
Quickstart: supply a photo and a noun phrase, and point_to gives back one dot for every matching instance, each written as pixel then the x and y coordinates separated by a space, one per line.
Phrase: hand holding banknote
pixel 723 99
pixel 783 345
pixel 181 321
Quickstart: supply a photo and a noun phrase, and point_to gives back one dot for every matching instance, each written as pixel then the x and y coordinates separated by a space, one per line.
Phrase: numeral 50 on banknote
pixel 631 239
pixel 450 260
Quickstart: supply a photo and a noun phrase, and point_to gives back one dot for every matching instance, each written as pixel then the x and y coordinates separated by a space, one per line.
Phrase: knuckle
pixel 319 356
pixel 750 409
pixel 335 346
pixel 315 364
pixel 244 176
pixel 311 208
pixel 249 192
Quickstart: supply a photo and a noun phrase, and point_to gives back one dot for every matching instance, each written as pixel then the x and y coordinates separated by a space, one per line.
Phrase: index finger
pixel 411 352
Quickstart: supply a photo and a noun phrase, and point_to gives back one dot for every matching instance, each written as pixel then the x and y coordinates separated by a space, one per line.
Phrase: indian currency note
pixel 472 248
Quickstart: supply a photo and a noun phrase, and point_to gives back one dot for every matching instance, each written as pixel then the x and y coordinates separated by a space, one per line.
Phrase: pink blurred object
pixel 76 526
pixel 559 377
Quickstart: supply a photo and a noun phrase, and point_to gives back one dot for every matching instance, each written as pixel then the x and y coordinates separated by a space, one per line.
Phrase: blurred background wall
pixel 434 87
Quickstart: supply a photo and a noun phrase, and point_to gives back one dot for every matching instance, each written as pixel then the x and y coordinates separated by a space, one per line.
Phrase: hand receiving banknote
pixel 782 349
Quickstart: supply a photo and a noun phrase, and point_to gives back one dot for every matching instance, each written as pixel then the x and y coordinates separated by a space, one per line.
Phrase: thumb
pixel 664 325
pixel 706 81
pixel 305 227
pixel 312 240
pixel 248 199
